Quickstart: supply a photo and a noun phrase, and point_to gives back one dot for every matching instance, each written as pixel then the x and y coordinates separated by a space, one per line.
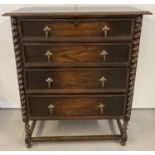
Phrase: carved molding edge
pixel 19 65
pixel 133 67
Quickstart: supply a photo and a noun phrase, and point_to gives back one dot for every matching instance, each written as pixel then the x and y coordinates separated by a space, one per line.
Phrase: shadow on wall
pixel 9 95
pixel 144 86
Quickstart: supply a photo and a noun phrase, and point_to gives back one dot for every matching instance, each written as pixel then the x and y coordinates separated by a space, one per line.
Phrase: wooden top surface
pixel 77 11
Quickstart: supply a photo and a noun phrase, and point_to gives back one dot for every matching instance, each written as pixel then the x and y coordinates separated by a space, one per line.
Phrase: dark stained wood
pixel 119 125
pixel 76 79
pixel 76 138
pixel 87 12
pixel 75 27
pixel 71 106
pixel 76 40
pixel 75 65
pixel 118 53
pixel 76 91
pixel 32 126
pixel 75 118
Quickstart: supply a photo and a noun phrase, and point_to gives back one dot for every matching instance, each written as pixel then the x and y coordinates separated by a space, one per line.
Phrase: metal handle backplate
pixel 101 106
pixel 51 107
pixel 104 54
pixel 105 29
pixel 49 55
pixel 46 29
pixel 49 81
pixel 102 80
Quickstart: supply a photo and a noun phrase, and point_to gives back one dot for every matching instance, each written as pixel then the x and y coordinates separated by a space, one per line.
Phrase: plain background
pixel 145 85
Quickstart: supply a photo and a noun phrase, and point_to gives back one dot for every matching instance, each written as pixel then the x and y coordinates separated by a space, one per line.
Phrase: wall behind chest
pixel 144 87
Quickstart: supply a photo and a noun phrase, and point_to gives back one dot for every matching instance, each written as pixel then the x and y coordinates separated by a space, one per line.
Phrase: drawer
pixel 53 80
pixel 98 53
pixel 48 28
pixel 76 106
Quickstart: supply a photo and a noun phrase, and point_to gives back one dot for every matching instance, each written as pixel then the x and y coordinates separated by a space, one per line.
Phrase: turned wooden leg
pixel 124 134
pixel 27 135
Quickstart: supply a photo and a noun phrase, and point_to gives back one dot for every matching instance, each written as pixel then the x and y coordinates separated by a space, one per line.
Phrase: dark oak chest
pixel 76 65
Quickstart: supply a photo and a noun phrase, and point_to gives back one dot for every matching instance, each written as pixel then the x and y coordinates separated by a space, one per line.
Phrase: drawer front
pixel 76 27
pixel 76 106
pixel 74 79
pixel 106 53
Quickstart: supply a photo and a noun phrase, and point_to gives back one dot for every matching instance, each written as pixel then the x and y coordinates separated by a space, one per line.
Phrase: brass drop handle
pixel 105 29
pixel 46 29
pixel 101 106
pixel 103 80
pixel 104 54
pixel 49 55
pixel 49 81
pixel 51 107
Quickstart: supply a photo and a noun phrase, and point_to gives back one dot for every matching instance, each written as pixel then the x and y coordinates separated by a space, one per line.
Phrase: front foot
pixel 124 136
pixel 123 142
pixel 28 141
pixel 27 135
pixel 28 145
pixel 123 139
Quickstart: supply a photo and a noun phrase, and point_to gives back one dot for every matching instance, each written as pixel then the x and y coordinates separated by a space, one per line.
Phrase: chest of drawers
pixel 76 65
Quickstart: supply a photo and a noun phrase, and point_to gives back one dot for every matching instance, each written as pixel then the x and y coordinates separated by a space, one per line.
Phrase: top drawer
pixel 104 28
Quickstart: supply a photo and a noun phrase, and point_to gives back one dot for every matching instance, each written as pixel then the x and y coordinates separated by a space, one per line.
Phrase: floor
pixel 141 132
